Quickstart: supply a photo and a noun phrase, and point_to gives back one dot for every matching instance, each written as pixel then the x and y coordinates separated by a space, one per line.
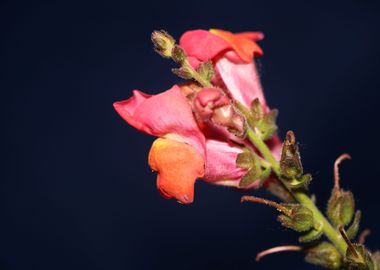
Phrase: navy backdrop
pixel 76 191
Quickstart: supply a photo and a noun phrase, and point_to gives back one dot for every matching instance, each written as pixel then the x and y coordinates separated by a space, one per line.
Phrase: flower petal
pixel 241 80
pixel 202 44
pixel 167 114
pixel 244 44
pixel 221 165
pixel 178 166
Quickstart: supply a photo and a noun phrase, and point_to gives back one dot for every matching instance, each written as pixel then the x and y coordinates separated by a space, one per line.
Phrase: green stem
pixel 331 233
pixel 195 75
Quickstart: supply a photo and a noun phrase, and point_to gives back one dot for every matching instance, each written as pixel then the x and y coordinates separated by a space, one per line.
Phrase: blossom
pixel 200 131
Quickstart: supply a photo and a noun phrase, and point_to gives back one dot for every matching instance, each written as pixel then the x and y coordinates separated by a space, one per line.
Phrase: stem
pixel 330 232
pixel 195 75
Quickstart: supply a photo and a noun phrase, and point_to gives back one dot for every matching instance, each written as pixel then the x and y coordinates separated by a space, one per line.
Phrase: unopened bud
pixel 357 257
pixel 211 104
pixel 163 43
pixel 341 207
pixel 299 218
pixel 291 166
pixel 178 55
pixel 324 254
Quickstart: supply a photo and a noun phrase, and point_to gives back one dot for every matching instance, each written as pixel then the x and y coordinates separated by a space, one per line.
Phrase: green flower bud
pixel 298 217
pixel 163 43
pixel 178 55
pixel 341 207
pixel 358 258
pixel 324 254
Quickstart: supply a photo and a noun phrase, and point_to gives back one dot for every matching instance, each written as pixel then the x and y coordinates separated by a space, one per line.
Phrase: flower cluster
pixel 201 122
pixel 217 126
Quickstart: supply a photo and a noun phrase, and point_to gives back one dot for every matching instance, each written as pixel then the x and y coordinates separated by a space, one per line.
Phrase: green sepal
pixel 206 70
pixel 264 123
pixel 255 171
pixel 314 234
pixel 303 181
pixel 182 73
pixel 352 231
pixel 358 258
pixel 298 218
pixel 341 207
pixel 324 254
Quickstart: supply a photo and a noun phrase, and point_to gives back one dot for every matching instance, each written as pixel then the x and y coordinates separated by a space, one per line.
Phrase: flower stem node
pixel 324 254
pixel 163 43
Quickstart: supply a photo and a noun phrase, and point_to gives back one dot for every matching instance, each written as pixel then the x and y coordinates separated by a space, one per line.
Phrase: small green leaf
pixel 352 231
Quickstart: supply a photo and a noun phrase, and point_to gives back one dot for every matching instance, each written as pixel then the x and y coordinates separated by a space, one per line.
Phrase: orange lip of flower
pixel 178 165
pixel 243 43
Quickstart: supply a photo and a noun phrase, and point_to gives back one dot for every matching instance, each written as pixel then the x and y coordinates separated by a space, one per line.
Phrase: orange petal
pixel 178 165
pixel 242 43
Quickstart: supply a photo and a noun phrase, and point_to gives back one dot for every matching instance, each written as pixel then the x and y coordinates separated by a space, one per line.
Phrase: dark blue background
pixel 76 190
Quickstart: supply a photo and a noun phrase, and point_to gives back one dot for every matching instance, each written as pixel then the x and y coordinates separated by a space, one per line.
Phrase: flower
pixel 200 131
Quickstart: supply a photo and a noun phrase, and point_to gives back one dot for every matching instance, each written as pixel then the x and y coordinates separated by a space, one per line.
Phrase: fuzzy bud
pixel 163 43
pixel 340 207
pixel 298 218
pixel 324 254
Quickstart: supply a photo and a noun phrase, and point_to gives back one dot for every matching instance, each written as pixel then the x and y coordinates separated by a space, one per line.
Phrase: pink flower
pixel 194 124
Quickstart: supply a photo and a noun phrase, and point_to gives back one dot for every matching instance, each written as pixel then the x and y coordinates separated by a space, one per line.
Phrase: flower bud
pixel 291 166
pixel 357 257
pixel 340 207
pixel 211 104
pixel 324 254
pixel 298 218
pixel 163 43
pixel 178 55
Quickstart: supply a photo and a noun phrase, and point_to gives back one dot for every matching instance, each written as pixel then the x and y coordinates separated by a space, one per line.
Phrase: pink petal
pixel 241 80
pixel 221 165
pixel 202 44
pixel 167 114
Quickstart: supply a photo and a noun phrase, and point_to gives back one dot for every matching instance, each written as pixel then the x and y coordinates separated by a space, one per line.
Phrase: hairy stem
pixel 330 232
